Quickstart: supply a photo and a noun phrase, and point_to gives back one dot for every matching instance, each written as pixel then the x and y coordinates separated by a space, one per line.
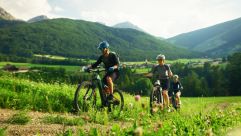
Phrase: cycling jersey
pixel 108 61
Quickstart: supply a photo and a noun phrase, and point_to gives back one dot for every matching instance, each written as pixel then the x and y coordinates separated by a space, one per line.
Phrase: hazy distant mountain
pixel 7 19
pixel 161 38
pixel 38 18
pixel 218 40
pixel 127 25
pixel 5 15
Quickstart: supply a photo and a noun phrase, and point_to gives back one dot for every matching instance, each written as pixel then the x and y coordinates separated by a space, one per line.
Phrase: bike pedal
pixel 116 102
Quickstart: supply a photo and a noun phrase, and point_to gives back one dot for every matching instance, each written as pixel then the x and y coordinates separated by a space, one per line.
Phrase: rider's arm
pixel 148 74
pixel 181 87
pixel 115 61
pixel 96 63
pixel 169 72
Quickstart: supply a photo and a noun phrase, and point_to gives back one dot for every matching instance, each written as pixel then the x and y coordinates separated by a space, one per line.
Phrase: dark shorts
pixel 165 83
pixel 175 91
pixel 114 76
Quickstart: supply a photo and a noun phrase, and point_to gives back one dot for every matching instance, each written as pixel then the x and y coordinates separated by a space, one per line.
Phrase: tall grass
pixel 198 116
pixel 24 94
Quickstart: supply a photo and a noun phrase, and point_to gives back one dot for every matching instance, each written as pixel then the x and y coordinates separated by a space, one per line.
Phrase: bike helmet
pixel 103 44
pixel 160 56
pixel 175 77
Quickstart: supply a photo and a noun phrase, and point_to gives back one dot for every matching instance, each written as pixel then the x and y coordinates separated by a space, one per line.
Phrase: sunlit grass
pixel 29 65
pixel 198 116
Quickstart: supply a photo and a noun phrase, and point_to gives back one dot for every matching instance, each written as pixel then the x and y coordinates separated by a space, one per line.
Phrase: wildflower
pixel 137 97
pixel 209 132
pixel 138 131
pixel 131 105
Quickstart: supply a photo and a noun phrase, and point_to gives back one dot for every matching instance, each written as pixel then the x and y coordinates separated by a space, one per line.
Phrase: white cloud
pixel 57 9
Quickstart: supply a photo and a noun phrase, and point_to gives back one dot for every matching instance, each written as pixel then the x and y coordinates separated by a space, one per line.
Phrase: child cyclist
pixel 176 87
pixel 163 73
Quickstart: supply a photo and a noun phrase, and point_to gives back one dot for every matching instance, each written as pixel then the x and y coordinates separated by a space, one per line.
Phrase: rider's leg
pixel 178 94
pixel 166 98
pixel 110 84
pixel 165 86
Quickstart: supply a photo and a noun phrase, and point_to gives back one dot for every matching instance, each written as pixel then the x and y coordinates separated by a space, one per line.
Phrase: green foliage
pixel 15 91
pixel 2 131
pixel 198 116
pixel 19 118
pixel 94 132
pixel 69 132
pixel 233 74
pixel 63 120
pixel 145 86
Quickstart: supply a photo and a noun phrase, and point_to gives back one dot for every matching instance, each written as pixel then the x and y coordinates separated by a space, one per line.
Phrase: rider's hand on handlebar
pixel 86 69
pixel 148 75
pixel 111 69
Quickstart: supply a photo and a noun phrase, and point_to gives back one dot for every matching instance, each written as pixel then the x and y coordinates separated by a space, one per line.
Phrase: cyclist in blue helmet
pixel 111 63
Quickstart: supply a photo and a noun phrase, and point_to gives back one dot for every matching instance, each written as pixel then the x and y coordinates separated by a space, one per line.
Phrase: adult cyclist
pixel 162 72
pixel 111 63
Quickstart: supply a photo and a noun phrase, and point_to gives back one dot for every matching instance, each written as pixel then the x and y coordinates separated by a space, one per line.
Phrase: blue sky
pixel 164 18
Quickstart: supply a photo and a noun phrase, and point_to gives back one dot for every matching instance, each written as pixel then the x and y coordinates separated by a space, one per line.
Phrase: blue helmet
pixel 103 44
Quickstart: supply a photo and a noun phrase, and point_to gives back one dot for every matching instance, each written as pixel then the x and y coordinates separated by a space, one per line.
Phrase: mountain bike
pixel 86 94
pixel 156 98
pixel 174 102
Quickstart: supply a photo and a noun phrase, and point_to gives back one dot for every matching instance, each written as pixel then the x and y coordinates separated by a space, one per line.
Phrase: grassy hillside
pixel 7 23
pixel 218 40
pixel 77 38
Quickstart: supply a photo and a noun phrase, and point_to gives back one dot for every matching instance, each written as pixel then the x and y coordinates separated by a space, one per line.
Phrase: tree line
pixel 208 80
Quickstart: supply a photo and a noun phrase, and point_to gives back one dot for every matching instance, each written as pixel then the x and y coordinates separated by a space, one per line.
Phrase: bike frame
pixel 158 89
pixel 96 80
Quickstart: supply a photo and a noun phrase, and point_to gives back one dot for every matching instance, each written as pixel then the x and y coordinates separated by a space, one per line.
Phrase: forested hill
pixel 77 38
pixel 218 40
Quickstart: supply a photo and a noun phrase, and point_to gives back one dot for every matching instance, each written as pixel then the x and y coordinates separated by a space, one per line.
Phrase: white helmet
pixel 160 56
pixel 175 76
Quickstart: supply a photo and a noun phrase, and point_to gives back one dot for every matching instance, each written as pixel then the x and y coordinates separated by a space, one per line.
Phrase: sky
pixel 162 18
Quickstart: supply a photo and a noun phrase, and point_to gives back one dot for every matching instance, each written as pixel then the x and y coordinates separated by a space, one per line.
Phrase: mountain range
pixel 79 38
pixel 5 15
pixel 127 25
pixel 216 41
pixel 38 18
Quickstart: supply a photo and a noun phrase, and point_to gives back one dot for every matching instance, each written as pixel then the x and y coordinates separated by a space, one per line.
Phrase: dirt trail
pixel 36 126
pixel 234 132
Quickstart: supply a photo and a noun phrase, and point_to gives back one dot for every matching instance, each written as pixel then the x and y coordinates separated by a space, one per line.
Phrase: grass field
pixel 50 56
pixel 198 116
pixel 29 65
pixel 172 61
pixel 55 57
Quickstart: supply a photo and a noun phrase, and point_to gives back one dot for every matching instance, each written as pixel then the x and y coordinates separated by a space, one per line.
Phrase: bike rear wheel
pixel 85 97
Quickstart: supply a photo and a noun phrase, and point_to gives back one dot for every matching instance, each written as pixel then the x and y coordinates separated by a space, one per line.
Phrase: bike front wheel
pixel 156 100
pixel 118 101
pixel 85 97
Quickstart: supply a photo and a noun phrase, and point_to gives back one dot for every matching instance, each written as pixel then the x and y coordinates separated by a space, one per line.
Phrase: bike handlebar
pixel 96 70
